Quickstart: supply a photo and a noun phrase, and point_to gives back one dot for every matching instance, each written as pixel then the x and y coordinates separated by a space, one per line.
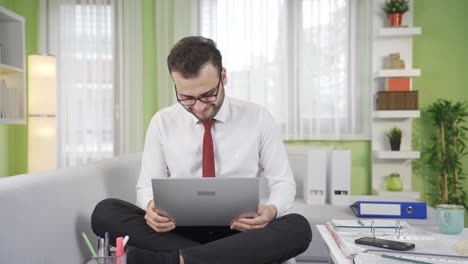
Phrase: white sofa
pixel 43 214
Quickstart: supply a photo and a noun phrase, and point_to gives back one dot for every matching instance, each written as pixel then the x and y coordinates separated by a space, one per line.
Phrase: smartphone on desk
pixel 384 243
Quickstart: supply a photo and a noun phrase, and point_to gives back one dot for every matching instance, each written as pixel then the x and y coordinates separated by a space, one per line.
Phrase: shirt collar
pixel 223 112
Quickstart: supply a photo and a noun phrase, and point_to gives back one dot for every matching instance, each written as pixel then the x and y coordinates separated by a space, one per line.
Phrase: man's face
pixel 207 84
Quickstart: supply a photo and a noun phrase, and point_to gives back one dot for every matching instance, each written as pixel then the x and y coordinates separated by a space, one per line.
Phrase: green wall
pixel 14 138
pixel 445 34
pixel 441 53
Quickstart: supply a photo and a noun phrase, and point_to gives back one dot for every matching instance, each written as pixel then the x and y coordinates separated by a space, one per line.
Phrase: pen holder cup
pixel 122 259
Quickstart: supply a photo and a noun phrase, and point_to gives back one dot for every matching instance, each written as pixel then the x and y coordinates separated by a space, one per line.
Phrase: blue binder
pixel 377 209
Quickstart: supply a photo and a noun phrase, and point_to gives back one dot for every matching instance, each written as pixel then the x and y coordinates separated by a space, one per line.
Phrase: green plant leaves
pixel 396 6
pixel 395 133
pixel 446 150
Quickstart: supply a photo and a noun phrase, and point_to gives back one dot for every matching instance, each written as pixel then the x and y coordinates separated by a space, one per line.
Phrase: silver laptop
pixel 206 201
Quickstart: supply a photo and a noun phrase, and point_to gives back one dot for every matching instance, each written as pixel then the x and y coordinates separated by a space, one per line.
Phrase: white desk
pixel 337 257
pixel 320 214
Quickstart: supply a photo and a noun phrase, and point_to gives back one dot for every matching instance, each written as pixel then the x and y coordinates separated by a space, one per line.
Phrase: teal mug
pixel 450 218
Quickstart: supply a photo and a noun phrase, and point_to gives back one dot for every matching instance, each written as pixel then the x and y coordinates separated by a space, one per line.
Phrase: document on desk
pixel 378 223
pixel 372 258
pixel 387 229
pixel 430 245
pixel 368 258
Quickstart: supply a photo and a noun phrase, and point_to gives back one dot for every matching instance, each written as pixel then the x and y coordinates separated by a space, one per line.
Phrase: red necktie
pixel 208 166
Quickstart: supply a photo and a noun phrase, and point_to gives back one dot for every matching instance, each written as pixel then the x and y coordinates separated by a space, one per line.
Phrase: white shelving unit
pixel 7 69
pixel 397 114
pixel 12 68
pixel 397 155
pixel 399 31
pixel 405 194
pixel 385 161
pixel 398 73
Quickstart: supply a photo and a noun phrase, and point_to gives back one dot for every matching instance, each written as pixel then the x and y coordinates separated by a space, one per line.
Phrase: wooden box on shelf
pixel 397 100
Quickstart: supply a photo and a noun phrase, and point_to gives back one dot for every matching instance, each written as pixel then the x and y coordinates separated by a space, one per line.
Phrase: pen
pixel 90 247
pixel 125 240
pixel 101 247
pixel 346 252
pixel 106 244
pixel 119 246
pixel 98 245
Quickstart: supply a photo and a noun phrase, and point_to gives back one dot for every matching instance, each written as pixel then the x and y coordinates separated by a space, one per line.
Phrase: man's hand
pixel 158 222
pixel 266 213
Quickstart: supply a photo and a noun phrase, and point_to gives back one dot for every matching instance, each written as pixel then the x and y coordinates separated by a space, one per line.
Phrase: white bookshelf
pixel 399 31
pixel 7 69
pixel 389 40
pixel 397 155
pixel 12 121
pixel 397 114
pixel 12 68
pixel 394 196
pixel 398 73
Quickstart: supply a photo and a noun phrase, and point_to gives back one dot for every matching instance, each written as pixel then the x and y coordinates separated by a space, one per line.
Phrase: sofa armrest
pixel 44 213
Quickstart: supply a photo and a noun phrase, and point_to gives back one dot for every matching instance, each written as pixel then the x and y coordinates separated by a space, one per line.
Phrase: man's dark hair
pixel 191 53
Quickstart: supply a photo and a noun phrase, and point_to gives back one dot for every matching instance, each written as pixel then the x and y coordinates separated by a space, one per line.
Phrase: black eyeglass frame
pixel 202 98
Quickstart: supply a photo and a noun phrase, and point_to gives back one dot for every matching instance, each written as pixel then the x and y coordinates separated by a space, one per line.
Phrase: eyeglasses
pixel 208 97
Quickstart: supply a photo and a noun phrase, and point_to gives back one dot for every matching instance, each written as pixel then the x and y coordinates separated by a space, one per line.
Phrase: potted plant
pixel 446 151
pixel 395 10
pixel 394 135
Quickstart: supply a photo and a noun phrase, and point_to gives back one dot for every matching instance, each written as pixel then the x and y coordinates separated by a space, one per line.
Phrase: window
pixel 298 59
pixel 89 82
pixel 99 65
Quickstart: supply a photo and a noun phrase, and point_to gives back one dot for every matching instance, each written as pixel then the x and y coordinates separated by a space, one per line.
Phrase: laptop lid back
pixel 206 201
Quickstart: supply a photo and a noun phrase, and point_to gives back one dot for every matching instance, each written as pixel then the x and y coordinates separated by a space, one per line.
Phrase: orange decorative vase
pixel 394 19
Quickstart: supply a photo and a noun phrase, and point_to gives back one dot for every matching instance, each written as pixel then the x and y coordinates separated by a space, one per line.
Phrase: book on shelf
pixel 397 84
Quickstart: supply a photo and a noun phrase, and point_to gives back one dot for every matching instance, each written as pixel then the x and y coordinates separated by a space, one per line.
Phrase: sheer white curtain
pixel 298 59
pixel 98 49
pixel 128 130
pixel 175 19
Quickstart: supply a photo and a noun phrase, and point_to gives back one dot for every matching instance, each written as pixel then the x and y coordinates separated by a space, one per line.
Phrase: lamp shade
pixel 41 144
pixel 42 84
pixel 42 111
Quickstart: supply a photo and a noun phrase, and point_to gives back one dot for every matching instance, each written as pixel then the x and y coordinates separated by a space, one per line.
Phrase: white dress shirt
pixel 246 141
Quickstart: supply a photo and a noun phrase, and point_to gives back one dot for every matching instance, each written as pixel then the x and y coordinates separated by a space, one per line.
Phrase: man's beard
pixel 213 113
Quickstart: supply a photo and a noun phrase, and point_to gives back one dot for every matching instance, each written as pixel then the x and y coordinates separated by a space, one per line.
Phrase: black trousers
pixel 282 239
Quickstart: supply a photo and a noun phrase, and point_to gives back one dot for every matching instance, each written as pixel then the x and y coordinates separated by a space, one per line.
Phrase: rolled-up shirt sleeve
pixel 275 166
pixel 153 163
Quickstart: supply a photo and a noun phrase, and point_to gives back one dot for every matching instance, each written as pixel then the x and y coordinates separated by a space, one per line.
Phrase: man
pixel 245 142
